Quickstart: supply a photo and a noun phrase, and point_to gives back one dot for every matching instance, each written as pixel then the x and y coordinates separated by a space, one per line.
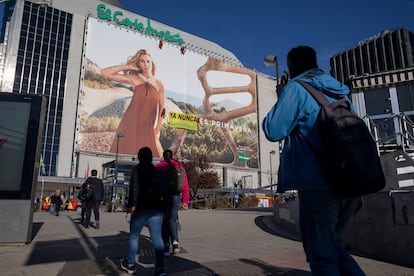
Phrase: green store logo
pixel 119 18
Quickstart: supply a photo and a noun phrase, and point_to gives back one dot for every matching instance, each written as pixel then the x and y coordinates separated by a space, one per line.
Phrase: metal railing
pixel 407 129
pixel 401 136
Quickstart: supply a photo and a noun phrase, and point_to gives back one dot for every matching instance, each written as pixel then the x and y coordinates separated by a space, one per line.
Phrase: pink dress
pixel 138 123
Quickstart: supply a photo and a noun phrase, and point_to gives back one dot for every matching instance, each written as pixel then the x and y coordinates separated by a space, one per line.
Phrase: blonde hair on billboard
pixel 135 58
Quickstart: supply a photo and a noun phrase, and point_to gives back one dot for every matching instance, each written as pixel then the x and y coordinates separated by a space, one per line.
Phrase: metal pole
pixel 277 71
pixel 41 194
pixel 118 136
pixel 269 61
pixel 271 170
pixel 277 84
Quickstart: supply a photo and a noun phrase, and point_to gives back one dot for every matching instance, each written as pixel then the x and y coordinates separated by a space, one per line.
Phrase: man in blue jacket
pixel 324 215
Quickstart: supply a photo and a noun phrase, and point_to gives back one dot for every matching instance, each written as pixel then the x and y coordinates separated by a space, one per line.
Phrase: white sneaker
pixel 176 247
pixel 130 269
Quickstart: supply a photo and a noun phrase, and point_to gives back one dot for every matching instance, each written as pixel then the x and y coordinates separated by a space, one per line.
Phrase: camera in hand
pixel 283 81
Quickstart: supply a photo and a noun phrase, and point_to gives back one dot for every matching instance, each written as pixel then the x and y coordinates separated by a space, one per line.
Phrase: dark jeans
pixel 56 208
pixel 92 205
pixel 169 226
pixel 83 210
pixel 323 219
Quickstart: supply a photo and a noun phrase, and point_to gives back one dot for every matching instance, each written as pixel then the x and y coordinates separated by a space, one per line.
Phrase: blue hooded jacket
pixel 293 118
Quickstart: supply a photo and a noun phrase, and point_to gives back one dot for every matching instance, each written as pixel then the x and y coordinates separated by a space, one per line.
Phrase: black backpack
pixel 174 177
pixel 88 189
pixel 153 195
pixel 158 189
pixel 349 156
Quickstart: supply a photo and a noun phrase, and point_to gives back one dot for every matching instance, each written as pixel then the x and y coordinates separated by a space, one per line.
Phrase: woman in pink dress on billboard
pixel 142 121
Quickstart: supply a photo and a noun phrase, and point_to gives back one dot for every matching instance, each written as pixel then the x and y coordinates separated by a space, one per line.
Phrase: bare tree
pixel 200 175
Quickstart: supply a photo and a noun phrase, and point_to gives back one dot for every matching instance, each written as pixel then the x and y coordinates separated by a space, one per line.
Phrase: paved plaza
pixel 213 242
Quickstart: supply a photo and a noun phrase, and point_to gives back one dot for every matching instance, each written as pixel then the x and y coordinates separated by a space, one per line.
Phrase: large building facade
pixel 380 74
pixel 213 104
pixel 384 52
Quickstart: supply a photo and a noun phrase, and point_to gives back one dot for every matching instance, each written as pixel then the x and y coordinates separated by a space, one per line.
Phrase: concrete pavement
pixel 213 242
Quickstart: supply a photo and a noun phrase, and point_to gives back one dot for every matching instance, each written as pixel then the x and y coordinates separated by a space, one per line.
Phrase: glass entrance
pixel 386 106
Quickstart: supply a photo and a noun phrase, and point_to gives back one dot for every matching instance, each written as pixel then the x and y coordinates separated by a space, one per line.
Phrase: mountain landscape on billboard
pixel 103 104
pixel 209 106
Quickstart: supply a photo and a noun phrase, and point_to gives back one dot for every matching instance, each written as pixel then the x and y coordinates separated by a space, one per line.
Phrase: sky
pixel 253 29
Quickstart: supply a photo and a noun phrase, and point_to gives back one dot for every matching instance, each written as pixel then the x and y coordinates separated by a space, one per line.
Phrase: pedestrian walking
pixel 324 215
pixel 94 194
pixel 177 200
pixel 82 198
pixel 56 200
pixel 147 203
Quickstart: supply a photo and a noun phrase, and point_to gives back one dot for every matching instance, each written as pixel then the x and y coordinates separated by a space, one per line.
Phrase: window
pixel 40 66
pixel 406 97
pixel 377 101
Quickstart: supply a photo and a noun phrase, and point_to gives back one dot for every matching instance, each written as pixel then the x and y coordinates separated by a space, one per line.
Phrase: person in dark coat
pixel 147 207
pixel 82 198
pixel 57 201
pixel 95 201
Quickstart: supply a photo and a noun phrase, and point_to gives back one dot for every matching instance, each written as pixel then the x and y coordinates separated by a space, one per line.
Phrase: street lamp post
pixel 118 136
pixel 270 61
pixel 271 171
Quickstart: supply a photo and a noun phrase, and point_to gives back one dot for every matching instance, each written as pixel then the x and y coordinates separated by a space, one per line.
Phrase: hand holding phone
pixel 283 81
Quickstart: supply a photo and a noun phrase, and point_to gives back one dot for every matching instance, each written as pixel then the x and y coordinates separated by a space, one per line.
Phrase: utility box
pixel 21 129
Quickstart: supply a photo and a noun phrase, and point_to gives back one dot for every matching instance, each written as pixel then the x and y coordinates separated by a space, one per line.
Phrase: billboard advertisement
pixel 139 90
pixel 21 121
pixel 13 134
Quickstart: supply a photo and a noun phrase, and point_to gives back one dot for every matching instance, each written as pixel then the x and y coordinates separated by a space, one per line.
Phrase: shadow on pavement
pixel 276 270
pixel 267 224
pixel 102 255
pixel 36 228
pixel 251 267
